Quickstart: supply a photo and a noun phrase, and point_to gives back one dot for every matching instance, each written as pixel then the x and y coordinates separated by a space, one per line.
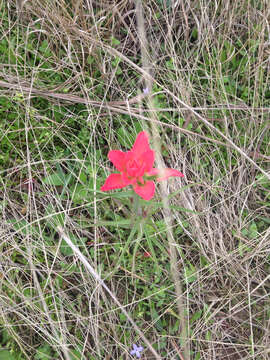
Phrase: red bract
pixel 136 168
pixel 146 254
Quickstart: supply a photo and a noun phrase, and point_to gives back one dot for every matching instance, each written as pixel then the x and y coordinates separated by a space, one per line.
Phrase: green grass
pixel 67 72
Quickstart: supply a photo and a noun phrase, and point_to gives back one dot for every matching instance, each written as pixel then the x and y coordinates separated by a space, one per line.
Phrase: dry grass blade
pixel 101 283
pixel 164 191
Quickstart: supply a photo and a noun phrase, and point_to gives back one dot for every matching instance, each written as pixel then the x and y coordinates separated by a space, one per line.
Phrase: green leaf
pixel 44 45
pixel 115 41
pixel 125 137
pixel 151 242
pixel 76 354
pixel 190 273
pixel 208 335
pixel 179 208
pixel 196 316
pixel 20 226
pixel 83 177
pixel 156 317
pixel 122 194
pixel 117 195
pixel 119 223
pixel 6 355
pixel 65 248
pixel 157 205
pixel 44 352
pixel 79 193
pixel 253 231
pixel 44 49
pixel 55 218
pixel 55 179
pixel 243 248
pixel 265 219
pixel 23 227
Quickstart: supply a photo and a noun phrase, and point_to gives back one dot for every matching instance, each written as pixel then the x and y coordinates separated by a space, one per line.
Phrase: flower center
pixel 134 168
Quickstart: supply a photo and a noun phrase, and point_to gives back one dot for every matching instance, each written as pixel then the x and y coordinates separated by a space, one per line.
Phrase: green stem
pixel 129 239
pixel 136 206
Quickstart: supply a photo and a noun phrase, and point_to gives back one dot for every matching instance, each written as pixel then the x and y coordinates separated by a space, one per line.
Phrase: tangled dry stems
pixel 56 300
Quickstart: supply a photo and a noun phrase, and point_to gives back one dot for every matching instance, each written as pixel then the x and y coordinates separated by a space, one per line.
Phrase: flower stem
pixel 136 206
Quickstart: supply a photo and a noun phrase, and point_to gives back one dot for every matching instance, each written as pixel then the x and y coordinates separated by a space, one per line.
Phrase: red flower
pixel 136 168
pixel 146 254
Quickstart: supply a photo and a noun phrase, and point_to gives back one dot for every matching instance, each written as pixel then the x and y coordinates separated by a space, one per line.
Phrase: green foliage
pixel 44 352
pixel 9 350
pixel 56 179
pixel 127 137
pixel 6 355
pixel 190 273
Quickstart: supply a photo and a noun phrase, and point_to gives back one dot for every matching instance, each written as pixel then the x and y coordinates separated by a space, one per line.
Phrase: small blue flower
pixel 146 91
pixel 136 350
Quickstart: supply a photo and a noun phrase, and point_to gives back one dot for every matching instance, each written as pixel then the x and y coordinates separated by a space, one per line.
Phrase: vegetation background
pixel 78 78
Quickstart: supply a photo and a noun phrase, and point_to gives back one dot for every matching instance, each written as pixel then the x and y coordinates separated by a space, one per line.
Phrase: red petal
pixel 166 173
pixel 146 191
pixel 141 144
pixel 114 181
pixel 118 158
pixel 146 254
pixel 148 159
pixel 153 172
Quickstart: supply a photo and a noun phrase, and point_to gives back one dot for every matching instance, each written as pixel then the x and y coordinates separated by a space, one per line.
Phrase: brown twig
pixel 177 349
pixel 72 98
